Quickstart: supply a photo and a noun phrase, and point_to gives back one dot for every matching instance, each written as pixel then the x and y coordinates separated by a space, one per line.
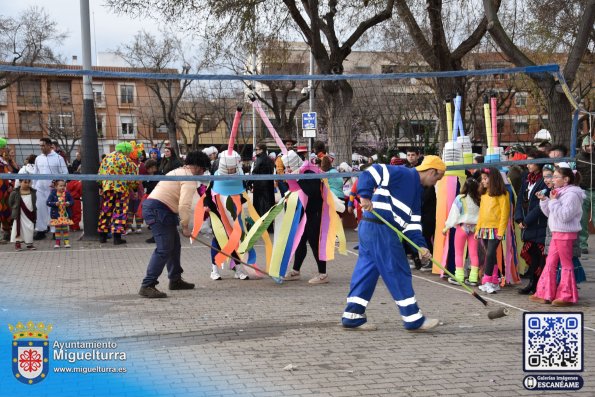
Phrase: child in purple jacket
pixel 564 210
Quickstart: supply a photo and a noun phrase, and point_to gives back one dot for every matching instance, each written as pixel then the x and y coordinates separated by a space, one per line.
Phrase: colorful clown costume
pixel 115 193
pixel 395 193
pixel 5 189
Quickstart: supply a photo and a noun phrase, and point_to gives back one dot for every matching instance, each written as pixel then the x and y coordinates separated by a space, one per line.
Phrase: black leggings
pixel 311 235
pixel 491 255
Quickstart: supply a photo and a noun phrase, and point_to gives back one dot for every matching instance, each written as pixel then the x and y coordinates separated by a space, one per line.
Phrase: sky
pixel 108 30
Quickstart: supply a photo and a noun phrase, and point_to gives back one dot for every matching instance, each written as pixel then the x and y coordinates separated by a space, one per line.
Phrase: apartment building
pixel 41 105
pixel 403 112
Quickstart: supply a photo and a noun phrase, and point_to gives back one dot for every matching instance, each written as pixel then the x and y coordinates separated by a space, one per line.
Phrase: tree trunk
pixel 172 136
pixel 339 96
pixel 559 115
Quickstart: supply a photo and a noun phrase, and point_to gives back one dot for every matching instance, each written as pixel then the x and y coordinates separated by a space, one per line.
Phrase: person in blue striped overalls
pixel 395 193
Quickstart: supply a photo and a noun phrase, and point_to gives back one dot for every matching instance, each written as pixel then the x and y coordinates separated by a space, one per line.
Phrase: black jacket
pixel 527 211
pixel 585 169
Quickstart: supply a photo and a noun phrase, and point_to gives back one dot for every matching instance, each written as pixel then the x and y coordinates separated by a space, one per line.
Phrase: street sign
pixel 309 121
pixel 309 133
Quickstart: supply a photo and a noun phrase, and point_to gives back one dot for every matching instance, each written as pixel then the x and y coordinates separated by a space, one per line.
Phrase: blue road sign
pixel 309 121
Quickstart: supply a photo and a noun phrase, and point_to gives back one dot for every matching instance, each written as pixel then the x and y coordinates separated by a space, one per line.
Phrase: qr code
pixel 553 342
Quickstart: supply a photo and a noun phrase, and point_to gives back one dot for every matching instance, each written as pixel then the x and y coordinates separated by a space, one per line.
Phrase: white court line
pixel 55 251
pixel 466 292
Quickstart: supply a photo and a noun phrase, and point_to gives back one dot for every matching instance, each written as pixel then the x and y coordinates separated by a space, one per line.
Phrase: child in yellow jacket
pixel 494 210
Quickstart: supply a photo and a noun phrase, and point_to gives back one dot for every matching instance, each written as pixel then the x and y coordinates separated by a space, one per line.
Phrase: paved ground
pixel 236 337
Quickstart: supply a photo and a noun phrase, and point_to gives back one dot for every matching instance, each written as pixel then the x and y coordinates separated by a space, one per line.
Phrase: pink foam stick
pixel 234 130
pixel 258 107
pixel 494 104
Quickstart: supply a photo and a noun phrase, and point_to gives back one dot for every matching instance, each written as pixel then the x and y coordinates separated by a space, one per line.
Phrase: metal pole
pixel 89 149
pixel 254 111
pixel 254 82
pixel 311 96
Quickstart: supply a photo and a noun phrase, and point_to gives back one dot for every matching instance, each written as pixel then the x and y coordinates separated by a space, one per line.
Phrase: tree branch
pixel 416 34
pixel 475 37
pixel 365 26
pixel 439 43
pixel 580 43
pixel 499 35
pixel 299 20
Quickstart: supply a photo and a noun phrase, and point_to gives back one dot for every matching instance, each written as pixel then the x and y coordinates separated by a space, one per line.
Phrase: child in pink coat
pixel 564 210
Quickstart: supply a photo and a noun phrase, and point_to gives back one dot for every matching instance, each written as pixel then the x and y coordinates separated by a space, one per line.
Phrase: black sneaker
pixel 118 239
pixel 151 292
pixel 585 251
pixel 427 267
pixel 417 263
pixel 180 284
pixel 39 235
pixel 150 240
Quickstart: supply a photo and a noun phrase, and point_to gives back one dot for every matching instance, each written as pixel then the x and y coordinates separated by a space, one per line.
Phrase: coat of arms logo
pixel 30 351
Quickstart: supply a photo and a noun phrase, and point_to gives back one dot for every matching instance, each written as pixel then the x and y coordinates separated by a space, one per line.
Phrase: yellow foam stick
pixel 449 119
pixel 488 122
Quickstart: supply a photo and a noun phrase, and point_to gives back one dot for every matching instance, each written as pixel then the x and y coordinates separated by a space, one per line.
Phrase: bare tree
pixel 201 111
pixel 331 29
pixel 26 40
pixel 64 130
pixel 282 97
pixel 575 44
pixel 434 43
pixel 157 55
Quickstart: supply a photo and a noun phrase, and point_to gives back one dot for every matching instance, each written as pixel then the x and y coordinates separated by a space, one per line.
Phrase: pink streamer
pixel 325 222
pixel 234 130
pixel 494 104
pixel 256 104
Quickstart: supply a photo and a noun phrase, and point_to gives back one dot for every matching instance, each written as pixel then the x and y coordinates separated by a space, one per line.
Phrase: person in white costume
pixel 48 162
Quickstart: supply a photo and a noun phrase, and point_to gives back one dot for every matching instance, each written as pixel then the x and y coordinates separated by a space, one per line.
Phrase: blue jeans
pixel 164 226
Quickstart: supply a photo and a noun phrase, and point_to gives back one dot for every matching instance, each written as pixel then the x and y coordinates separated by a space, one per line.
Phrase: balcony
pixel 29 100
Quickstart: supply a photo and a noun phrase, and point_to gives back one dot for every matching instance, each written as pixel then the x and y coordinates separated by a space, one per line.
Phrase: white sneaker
pixel 496 287
pixel 319 279
pixel 292 276
pixel 139 230
pixel 428 324
pixel 215 273
pixel 364 327
pixel 240 274
pixel 488 288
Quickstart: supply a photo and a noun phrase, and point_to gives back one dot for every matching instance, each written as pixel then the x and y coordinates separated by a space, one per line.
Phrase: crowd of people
pixel 550 204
